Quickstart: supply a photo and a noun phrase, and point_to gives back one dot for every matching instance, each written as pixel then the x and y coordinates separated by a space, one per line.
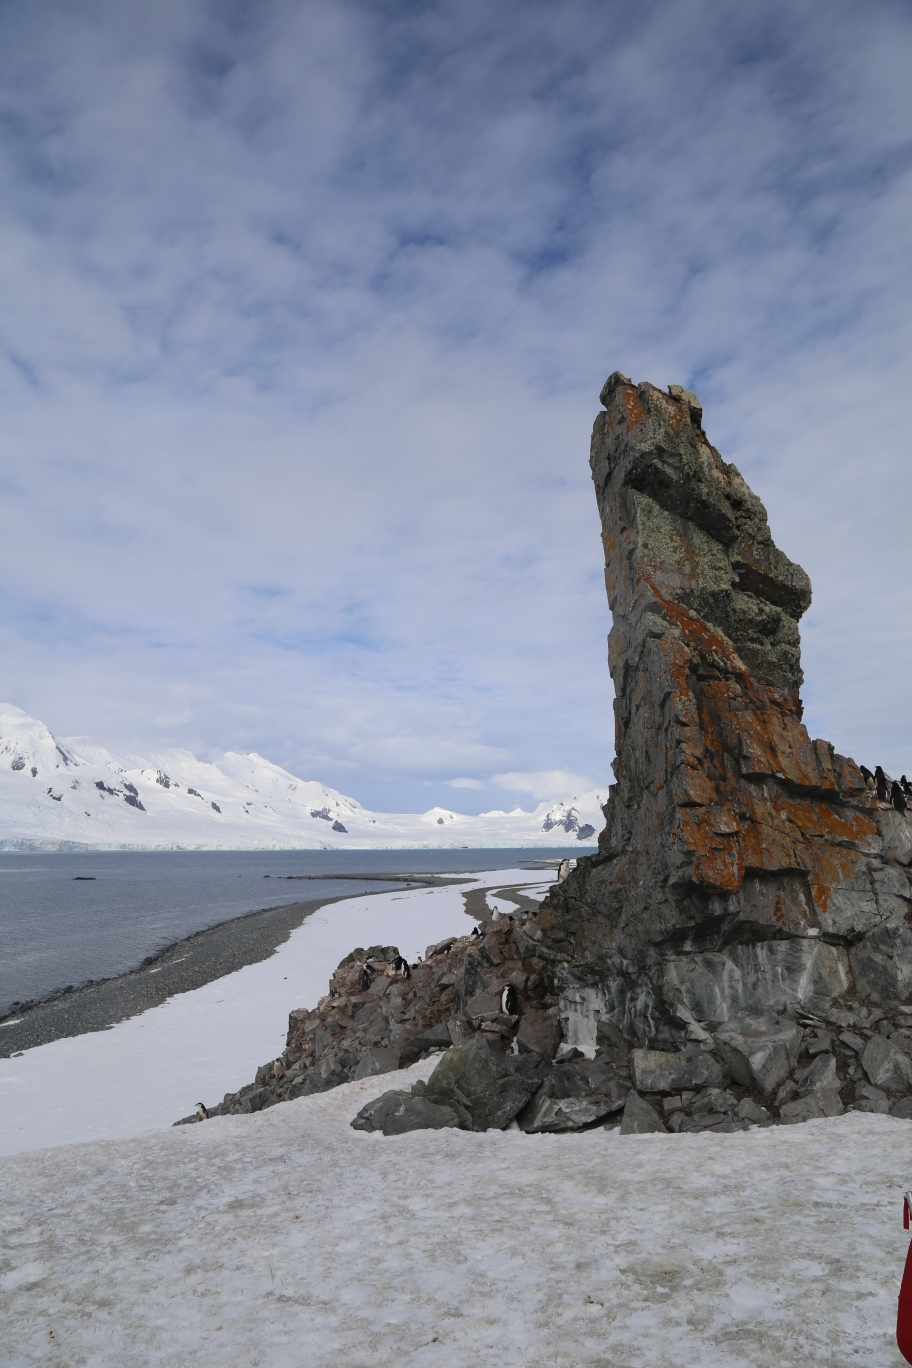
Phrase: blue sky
pixel 305 312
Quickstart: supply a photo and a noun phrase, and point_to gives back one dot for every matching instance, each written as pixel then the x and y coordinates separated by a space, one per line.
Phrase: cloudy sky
pixel 304 312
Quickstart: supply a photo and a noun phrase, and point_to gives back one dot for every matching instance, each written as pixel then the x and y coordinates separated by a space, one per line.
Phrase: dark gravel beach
pixel 188 964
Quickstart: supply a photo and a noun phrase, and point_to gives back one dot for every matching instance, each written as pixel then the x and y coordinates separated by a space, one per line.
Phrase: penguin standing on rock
pixel 906 786
pixel 508 1000
pixel 881 781
pixel 364 979
pixel 476 931
pixel 277 1068
pixel 897 799
pixel 201 1112
pixel 866 775
pixel 563 870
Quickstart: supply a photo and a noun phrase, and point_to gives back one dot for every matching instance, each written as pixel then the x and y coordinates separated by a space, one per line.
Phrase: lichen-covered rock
pixel 745 868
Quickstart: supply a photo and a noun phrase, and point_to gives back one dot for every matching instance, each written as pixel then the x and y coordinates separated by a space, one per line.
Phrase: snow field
pixel 288 1239
pixel 150 1070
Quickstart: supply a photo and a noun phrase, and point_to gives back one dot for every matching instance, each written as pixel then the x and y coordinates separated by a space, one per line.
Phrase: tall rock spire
pixel 728 825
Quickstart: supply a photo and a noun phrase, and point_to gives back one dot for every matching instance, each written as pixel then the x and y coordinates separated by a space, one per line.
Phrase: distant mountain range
pixel 71 794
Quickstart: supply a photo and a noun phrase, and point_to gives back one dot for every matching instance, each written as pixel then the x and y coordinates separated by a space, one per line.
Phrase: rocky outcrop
pixel 738 952
pixel 745 869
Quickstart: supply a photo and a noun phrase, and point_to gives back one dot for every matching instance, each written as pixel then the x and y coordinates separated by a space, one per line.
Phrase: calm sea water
pixel 68 918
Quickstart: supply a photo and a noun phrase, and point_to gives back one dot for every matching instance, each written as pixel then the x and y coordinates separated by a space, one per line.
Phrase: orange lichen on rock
pixel 728 823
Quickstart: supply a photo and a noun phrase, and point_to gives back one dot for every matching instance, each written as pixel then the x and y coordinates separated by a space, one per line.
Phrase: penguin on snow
pixel 897 798
pixel 201 1112
pixel 508 1000
pixel 881 780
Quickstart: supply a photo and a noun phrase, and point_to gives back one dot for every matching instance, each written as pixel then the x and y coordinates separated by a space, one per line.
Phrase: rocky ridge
pixel 738 951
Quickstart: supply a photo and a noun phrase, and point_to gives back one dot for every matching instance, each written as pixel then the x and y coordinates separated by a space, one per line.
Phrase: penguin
pixel 476 931
pixel 881 780
pixel 906 786
pixel 495 915
pixel 897 798
pixel 401 967
pixel 508 1000
pixel 201 1112
pixel 865 773
pixel 563 870
pixel 277 1068
pixel 364 979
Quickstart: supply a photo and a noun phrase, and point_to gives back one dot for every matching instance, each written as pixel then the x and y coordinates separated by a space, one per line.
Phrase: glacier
pixel 73 794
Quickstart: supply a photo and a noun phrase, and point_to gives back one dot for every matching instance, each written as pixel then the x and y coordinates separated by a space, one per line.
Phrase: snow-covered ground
pixel 70 794
pixel 286 1239
pixel 148 1071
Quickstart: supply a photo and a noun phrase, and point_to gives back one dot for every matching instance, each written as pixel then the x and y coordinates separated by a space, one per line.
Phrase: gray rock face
pixel 660 1072
pixel 882 962
pixel 639 1118
pixel 397 1112
pixel 759 1051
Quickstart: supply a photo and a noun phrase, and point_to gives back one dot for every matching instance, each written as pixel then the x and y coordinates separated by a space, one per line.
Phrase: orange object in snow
pixel 904 1314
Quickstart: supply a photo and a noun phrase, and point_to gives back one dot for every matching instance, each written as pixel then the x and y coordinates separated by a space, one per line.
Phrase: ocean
pixel 68 919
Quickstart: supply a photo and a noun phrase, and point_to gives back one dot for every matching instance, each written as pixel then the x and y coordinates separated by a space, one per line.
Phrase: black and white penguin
pixel 866 774
pixel 897 798
pixel 508 1000
pixel 563 870
pixel 364 979
pixel 277 1068
pixel 906 786
pixel 881 781
pixel 401 967
pixel 201 1112
pixel 476 930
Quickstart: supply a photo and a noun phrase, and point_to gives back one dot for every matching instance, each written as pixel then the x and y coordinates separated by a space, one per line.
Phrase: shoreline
pixel 180 967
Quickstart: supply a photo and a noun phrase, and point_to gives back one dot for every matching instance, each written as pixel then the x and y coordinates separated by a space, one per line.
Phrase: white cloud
pixel 465 784
pixel 546 784
pixel 305 313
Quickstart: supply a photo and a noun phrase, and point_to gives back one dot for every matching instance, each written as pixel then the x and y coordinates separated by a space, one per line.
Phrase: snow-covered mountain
pixel 71 794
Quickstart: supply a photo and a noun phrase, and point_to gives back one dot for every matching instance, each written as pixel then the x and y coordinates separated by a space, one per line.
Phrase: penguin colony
pixel 892 791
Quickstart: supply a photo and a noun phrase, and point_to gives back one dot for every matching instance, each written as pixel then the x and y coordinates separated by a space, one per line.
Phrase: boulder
pixel 871 1099
pixel 655 1071
pixel 477 1080
pixel 571 1095
pixel 432 1037
pixel 550 1114
pixel 377 1060
pixel 539 1031
pixel 886 1066
pixel 639 1118
pixel 397 1112
pixel 902 1108
pixel 819 1077
pixel 760 1051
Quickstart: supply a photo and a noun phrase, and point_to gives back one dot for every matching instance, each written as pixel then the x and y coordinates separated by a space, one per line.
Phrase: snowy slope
pixel 61 794
pixel 286 1238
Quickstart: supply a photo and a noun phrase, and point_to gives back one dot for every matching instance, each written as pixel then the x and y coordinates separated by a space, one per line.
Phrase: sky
pixel 305 312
